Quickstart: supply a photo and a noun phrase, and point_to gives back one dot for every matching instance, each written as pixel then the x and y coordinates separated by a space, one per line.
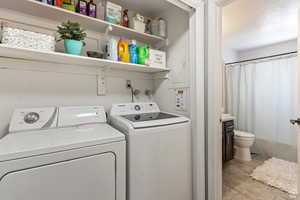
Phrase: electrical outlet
pixel 101 82
pixel 128 84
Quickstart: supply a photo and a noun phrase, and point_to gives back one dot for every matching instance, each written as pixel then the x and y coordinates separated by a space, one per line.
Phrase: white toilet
pixel 243 141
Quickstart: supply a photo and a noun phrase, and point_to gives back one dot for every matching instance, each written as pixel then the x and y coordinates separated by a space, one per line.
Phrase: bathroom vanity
pixel 227 137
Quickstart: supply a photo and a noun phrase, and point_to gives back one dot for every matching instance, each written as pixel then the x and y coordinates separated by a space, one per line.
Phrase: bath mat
pixel 278 173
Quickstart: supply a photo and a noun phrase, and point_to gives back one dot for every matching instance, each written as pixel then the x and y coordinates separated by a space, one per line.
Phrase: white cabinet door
pixel 88 178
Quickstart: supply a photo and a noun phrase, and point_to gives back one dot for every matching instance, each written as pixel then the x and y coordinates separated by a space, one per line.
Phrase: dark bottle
pixel 92 9
pixel 125 18
pixel 82 7
pixel 50 2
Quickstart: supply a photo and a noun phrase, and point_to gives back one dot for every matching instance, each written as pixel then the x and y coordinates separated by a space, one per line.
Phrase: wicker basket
pixel 23 36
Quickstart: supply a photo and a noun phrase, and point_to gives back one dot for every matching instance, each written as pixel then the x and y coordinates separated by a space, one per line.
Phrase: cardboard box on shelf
pixel 113 13
pixel 157 58
pixel 24 36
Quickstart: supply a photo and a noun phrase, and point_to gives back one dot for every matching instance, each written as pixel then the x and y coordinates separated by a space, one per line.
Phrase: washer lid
pixel 243 134
pixel 146 120
pixel 149 117
pixel 32 143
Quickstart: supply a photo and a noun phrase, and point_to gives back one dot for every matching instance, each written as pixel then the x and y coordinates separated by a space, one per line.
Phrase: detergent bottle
pixel 133 52
pixel 143 55
pixel 112 49
pixel 123 51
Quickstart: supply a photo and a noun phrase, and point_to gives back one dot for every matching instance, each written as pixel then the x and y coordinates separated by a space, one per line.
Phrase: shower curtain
pixel 262 97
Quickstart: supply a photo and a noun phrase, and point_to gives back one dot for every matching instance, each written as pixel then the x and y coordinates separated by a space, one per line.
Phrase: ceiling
pixel 250 24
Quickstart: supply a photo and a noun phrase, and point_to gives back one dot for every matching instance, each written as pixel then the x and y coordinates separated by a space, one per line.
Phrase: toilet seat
pixel 243 134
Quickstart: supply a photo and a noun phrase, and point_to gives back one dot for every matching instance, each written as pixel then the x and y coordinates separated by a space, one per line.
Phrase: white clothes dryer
pixel 69 153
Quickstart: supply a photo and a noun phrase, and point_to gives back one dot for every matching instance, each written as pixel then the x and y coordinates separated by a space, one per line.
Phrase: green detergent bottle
pixel 143 55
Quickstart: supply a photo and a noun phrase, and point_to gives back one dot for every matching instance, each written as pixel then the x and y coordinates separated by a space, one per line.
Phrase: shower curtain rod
pixel 261 58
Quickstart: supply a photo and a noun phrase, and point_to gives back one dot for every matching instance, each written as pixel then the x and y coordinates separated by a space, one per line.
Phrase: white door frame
pixel 214 65
pixel 298 132
pixel 197 84
pixel 197 57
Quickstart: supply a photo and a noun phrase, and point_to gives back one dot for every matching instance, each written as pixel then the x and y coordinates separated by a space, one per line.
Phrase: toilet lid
pixel 243 134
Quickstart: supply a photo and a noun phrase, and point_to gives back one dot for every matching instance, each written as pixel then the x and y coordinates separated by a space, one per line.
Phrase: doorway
pixel 259 40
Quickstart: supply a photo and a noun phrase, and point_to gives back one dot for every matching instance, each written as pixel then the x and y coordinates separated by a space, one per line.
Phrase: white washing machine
pixel 69 153
pixel 158 152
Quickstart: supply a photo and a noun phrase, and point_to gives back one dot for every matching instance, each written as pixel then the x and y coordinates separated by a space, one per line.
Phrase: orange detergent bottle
pixel 123 51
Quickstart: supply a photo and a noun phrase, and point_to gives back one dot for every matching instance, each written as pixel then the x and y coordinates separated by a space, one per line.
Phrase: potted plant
pixel 73 36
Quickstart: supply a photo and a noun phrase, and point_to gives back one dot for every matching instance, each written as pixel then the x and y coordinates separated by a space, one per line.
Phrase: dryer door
pixel 88 178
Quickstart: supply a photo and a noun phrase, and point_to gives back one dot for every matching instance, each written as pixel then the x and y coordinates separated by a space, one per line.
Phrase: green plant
pixel 71 31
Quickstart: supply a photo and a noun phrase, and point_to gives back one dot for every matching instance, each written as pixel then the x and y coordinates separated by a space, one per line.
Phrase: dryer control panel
pixel 79 115
pixel 33 118
pixel 53 117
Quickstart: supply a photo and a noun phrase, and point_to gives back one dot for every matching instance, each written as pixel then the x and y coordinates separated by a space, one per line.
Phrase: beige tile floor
pixel 238 185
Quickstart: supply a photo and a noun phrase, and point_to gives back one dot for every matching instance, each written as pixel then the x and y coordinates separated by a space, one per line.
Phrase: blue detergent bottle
pixel 50 2
pixel 133 52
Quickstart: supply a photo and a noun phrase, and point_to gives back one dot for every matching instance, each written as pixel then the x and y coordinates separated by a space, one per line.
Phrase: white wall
pixel 177 59
pixel 269 50
pixel 22 88
pixel 230 55
pixel 33 84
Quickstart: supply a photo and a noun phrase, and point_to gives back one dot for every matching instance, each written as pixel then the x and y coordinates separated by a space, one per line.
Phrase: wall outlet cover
pixel 101 85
